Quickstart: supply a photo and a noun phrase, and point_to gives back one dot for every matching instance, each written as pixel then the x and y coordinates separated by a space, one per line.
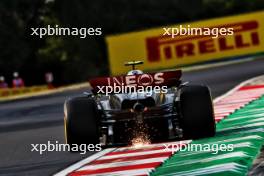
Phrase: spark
pixel 140 141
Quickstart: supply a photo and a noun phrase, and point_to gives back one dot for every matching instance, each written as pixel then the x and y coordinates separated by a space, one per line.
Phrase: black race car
pixel 159 107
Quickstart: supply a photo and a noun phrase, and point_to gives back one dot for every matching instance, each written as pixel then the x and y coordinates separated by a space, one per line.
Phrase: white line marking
pixel 134 154
pixel 236 88
pixel 123 163
pixel 126 173
pixel 83 162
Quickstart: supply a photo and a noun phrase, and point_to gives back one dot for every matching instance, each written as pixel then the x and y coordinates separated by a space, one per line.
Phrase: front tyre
pixel 196 112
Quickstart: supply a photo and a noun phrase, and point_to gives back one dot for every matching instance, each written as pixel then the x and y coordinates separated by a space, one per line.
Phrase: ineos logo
pixel 134 80
pixel 145 80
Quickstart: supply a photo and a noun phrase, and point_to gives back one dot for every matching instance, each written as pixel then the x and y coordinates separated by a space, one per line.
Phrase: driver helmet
pixel 135 72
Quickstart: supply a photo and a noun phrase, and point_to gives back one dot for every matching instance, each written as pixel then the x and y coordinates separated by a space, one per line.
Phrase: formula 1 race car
pixel 160 107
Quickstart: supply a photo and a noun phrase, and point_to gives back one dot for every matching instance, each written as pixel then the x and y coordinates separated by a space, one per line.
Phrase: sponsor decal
pixel 245 36
pixel 147 80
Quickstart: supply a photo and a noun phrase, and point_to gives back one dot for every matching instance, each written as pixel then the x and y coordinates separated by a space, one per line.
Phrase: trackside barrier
pixel 19 91
pixel 159 51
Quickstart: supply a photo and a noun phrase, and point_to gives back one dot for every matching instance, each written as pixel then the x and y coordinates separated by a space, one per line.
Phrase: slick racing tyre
pixel 81 121
pixel 196 112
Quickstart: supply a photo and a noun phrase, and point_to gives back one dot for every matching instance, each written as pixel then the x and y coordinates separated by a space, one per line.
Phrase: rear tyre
pixel 81 121
pixel 196 111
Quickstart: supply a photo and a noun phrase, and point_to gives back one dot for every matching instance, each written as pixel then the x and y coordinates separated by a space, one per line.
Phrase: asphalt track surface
pixel 38 120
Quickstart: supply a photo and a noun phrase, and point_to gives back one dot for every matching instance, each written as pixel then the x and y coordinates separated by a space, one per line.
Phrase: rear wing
pixel 168 78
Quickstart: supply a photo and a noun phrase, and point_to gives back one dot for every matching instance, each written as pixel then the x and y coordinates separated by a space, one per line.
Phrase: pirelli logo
pixel 159 51
pixel 245 35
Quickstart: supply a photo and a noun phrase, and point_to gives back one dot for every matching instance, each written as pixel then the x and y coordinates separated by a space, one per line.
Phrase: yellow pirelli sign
pixel 160 51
